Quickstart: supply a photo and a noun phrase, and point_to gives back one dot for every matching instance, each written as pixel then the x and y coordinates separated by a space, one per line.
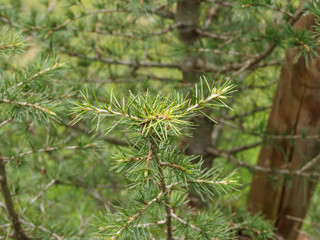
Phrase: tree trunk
pixel 188 15
pixel 295 111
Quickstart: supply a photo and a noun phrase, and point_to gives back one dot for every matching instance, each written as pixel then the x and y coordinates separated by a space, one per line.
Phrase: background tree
pixel 294 118
pixel 163 44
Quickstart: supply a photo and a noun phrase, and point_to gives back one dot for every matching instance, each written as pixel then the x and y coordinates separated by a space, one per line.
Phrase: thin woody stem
pixel 134 217
pixel 164 189
pixel 10 46
pixel 26 104
pixel 19 234
pixel 5 122
pixel 47 149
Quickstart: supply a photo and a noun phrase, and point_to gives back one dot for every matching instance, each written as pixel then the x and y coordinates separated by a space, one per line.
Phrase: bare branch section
pixel 134 35
pixel 19 234
pixel 145 225
pixel 48 149
pixel 5 122
pixel 184 221
pixel 203 67
pixel 122 62
pixel 297 172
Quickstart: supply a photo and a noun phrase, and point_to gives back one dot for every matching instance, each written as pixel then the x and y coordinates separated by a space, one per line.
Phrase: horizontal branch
pixel 298 172
pixel 201 67
pixel 172 165
pixel 163 12
pixel 160 11
pixel 184 221
pixel 5 226
pixel 241 115
pixel 14 45
pixel 132 35
pixel 294 137
pixel 5 122
pixel 122 62
pixel 256 59
pixel 66 22
pixel 223 182
pixel 26 104
pixel 47 149
pixel 8 21
pixel 243 148
pixel 145 225
pixel 203 33
pixel 107 138
pixel 112 112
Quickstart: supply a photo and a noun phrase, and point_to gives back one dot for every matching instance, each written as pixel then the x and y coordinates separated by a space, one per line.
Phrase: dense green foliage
pixel 79 168
pixel 152 163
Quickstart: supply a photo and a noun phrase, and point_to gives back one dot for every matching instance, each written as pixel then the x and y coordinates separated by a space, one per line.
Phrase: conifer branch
pixel 40 73
pixel 245 147
pixel 223 182
pixel 11 42
pixel 148 159
pixel 81 15
pixel 43 229
pixel 215 93
pixel 50 184
pixel 8 21
pixel 294 172
pixel 256 110
pixel 5 122
pixel 162 12
pixel 184 221
pixel 211 35
pixel 166 198
pixel 10 46
pixel 136 64
pixel 290 15
pixel 256 59
pixel 136 216
pixel 145 225
pixel 137 36
pixel 181 168
pixel 47 149
pixel 26 104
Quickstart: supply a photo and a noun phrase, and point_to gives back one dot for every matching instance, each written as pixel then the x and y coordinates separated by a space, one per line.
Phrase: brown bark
pixel 188 15
pixel 12 214
pixel 295 111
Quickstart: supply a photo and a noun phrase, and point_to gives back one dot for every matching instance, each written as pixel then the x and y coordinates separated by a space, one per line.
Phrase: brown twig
pixel 19 234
